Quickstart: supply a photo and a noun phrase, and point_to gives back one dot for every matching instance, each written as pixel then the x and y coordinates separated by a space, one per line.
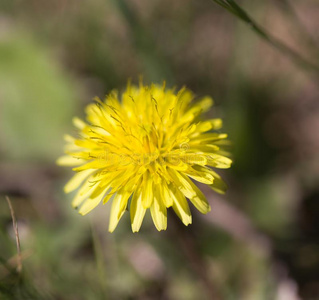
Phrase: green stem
pixel 99 259
pixel 290 11
pixel 236 10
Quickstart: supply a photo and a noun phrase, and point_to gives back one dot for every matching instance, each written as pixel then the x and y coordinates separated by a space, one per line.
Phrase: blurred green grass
pixel 38 99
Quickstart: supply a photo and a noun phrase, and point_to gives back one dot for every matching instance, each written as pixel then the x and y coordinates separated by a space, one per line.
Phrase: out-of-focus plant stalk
pixel 16 232
pixel 188 245
pixel 99 259
pixel 239 12
pixel 303 33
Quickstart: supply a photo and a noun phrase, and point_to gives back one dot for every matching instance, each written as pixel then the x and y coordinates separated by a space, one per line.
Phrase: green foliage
pixel 37 100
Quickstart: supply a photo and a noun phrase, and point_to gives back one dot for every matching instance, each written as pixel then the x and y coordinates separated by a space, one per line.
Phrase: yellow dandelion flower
pixel 143 152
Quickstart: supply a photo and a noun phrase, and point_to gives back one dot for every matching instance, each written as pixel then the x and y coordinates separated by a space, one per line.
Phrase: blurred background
pixel 260 241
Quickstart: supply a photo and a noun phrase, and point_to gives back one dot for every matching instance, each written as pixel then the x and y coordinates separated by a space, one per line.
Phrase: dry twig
pixel 16 232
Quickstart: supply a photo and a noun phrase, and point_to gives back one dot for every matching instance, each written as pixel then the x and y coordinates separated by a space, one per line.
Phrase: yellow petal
pixel 147 191
pixel 214 124
pixel 203 177
pixel 110 195
pixel 180 205
pixel 199 200
pixel 207 138
pixel 77 122
pixel 116 212
pixel 181 183
pixel 159 214
pixel 124 200
pixel 165 194
pixel 76 180
pixel 218 185
pixel 176 163
pixel 205 103
pixel 185 96
pixel 69 161
pixel 137 211
pixel 191 191
pixel 194 158
pixel 122 178
pixel 68 138
pixel 94 164
pixel 83 193
pixel 91 203
pixel 219 161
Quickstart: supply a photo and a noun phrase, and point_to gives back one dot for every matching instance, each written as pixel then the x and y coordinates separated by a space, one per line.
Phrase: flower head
pixel 141 151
